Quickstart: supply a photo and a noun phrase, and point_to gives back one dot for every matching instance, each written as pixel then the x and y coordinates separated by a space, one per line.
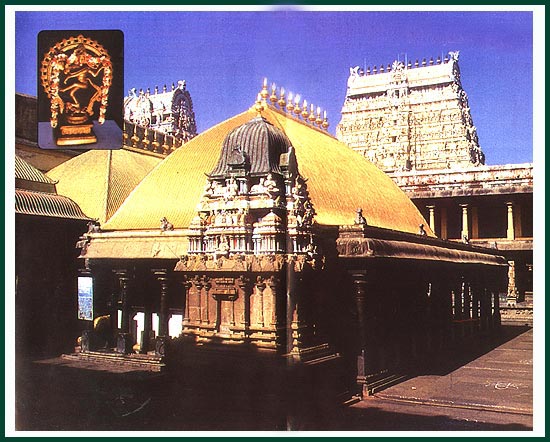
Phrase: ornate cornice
pixel 248 263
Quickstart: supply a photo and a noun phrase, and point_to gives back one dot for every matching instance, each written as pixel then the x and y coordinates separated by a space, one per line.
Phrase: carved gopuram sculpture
pixel 410 118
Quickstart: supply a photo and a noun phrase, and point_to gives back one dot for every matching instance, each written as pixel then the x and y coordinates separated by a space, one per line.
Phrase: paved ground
pixel 493 391
pixel 501 380
pixel 487 387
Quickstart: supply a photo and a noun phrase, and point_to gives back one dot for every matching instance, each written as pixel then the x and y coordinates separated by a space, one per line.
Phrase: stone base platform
pixel 148 362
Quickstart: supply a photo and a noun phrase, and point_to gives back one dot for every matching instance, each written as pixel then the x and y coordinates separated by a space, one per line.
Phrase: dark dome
pixel 257 143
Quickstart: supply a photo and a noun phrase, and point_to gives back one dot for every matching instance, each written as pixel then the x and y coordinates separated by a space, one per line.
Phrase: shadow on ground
pixel 228 396
pixel 454 357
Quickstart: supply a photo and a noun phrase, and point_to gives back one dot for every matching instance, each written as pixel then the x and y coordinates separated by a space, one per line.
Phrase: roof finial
pixel 325 124
pixel 297 109
pixel 273 96
pixel 318 120
pixel 264 93
pixel 282 102
pixel 259 107
pixel 290 103
pixel 305 113
pixel 311 117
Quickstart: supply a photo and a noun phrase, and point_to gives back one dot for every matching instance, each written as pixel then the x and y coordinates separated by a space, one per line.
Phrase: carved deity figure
pixel 421 230
pixel 217 189
pixel 231 190
pixel 208 190
pixel 258 188
pixel 271 186
pixel 353 74
pixel 165 224
pixel 359 218
pixel 223 247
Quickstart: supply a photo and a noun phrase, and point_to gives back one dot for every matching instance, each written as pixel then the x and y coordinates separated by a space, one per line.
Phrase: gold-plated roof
pixel 173 189
pixel 339 181
pixel 100 180
pixel 29 202
pixel 30 178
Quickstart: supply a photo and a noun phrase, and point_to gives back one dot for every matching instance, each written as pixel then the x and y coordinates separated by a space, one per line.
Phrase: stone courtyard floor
pixel 493 391
pixel 489 387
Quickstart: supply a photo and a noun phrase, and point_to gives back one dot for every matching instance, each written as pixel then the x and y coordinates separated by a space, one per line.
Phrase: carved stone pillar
pixel 443 215
pixel 207 285
pixel 162 278
pixel 274 285
pixel 475 223
pixel 484 309
pixel 467 300
pixel 457 301
pixel 518 230
pixel 146 334
pixel 260 286
pixel 246 288
pixel 450 292
pixel 186 286
pixel 198 286
pixel 465 232
pixel 364 362
pixel 475 295
pixel 431 212
pixel 124 338
pixel 512 292
pixel 496 319
pixel 510 232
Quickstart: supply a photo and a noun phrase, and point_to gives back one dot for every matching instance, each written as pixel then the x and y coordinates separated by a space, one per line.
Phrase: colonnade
pixel 469 221
pixel 469 230
pixel 407 312
pixel 123 336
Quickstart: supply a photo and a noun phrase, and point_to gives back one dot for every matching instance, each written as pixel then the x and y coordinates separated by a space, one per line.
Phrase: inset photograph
pixel 80 83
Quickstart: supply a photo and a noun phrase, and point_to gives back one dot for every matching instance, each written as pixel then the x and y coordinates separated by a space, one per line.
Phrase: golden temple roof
pixel 339 181
pixel 173 189
pixel 100 180
pixel 30 178
pixel 28 202
pixel 35 194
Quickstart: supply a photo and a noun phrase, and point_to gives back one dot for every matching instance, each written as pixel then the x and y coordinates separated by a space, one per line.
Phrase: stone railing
pixel 157 142
pixel 481 180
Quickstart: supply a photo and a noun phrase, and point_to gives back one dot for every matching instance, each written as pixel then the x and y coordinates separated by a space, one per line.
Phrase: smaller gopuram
pixel 410 116
pixel 154 118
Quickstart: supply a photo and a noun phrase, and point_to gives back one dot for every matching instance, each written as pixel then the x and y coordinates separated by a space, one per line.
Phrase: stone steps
pixel 146 361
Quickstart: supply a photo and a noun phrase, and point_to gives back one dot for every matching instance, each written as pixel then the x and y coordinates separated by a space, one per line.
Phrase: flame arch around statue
pixel 77 59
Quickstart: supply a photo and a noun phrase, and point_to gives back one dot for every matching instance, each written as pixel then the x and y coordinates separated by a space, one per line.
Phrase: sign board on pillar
pixel 85 298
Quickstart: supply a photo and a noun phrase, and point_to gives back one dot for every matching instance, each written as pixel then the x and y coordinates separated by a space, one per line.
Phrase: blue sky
pixel 224 56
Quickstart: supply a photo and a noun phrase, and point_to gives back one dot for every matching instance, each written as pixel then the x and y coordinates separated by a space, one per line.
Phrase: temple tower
pixel 168 111
pixel 410 116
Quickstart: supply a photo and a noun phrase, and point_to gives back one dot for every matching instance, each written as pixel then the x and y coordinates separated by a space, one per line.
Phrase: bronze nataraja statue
pixel 76 73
